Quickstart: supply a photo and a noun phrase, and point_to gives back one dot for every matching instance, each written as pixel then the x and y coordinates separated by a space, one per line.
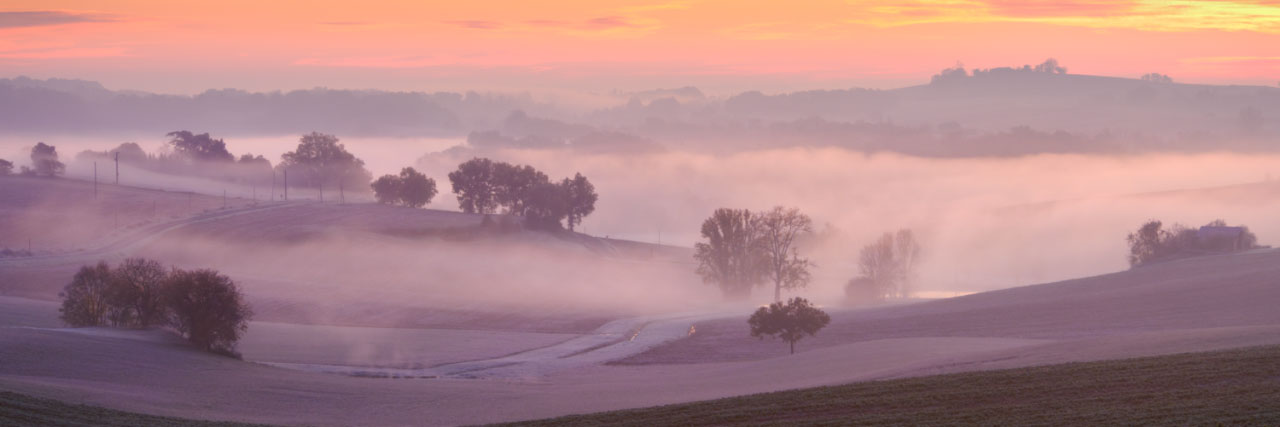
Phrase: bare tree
pixel 887 266
pixel 729 258
pixel 777 231
pixel 906 254
pixel 136 293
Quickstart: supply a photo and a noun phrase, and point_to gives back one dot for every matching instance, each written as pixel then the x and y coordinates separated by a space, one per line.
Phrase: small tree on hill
pixel 411 188
pixel 386 189
pixel 513 185
pixel 581 198
pixel 416 190
pixel 790 322
pixel 44 160
pixel 730 258
pixel 208 309
pixel 84 300
pixel 6 167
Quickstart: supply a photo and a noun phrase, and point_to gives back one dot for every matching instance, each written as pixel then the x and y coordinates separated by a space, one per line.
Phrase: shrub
pixel 84 300
pixel 208 309
pixel 135 295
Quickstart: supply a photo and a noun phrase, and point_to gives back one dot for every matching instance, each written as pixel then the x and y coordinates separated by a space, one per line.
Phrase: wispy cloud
pixel 65 53
pixel 476 24
pixel 1145 15
pixel 39 18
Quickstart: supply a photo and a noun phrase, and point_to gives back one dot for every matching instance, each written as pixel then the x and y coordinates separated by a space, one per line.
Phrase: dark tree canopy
pixel 6 167
pixel 321 161
pixel 545 205
pixel 208 309
pixel 199 147
pixel 84 300
pixel 730 258
pixel 44 160
pixel 482 186
pixel 411 188
pixel 473 183
pixel 513 184
pixel 136 294
pixel 790 322
pixel 581 197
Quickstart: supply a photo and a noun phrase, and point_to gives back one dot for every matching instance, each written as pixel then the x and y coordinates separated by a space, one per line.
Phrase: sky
pixel 606 45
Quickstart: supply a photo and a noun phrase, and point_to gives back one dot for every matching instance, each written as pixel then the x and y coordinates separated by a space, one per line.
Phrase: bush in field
pixel 411 188
pixel 135 295
pixel 208 309
pixel 84 300
pixel 205 307
pixel 6 167
pixel 791 321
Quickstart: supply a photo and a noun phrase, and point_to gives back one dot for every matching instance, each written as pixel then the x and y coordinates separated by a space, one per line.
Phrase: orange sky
pixel 171 46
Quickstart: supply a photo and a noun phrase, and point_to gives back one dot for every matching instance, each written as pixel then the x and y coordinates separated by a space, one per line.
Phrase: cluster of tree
pixel 886 268
pixel 790 322
pixel 745 249
pixel 411 188
pixel 482 186
pixel 190 154
pixel 1049 66
pixel 6 167
pixel 1156 78
pixel 204 306
pixel 1153 242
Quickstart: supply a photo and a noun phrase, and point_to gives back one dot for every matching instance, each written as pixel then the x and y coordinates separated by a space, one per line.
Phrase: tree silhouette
pixel 136 294
pixel 547 204
pixel 6 167
pixel 778 230
pixel 44 160
pixel 208 309
pixel 581 198
pixel 84 300
pixel 321 161
pixel 730 258
pixel 790 322
pixel 199 147
pixel 472 182
pixel 512 185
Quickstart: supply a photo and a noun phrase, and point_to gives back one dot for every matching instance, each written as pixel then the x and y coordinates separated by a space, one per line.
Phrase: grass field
pixel 21 410
pixel 1233 387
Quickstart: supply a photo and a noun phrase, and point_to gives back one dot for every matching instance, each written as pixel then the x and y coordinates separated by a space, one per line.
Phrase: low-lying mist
pixel 984 223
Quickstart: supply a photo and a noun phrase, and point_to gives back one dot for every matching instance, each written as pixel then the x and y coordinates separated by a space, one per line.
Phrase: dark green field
pixel 1234 387
pixel 21 410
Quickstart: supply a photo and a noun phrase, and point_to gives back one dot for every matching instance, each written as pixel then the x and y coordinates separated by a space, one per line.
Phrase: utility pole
pixel 224 198
pixel 322 192
pixel 117 168
pixel 95 180
pixel 286 185
pixel 342 197
pixel 273 186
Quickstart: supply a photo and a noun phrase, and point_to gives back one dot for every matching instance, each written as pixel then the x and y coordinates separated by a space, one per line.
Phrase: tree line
pixel 1154 242
pixel 204 306
pixel 482 186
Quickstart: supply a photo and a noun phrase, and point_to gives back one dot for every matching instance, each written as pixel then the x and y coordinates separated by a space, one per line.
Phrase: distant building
pixel 1219 238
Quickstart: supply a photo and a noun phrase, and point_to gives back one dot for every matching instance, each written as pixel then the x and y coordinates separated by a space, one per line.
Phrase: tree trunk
pixel 777 290
pixel 793 347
